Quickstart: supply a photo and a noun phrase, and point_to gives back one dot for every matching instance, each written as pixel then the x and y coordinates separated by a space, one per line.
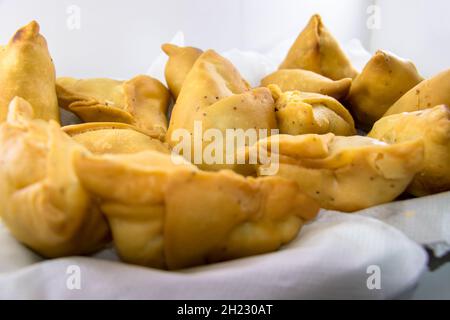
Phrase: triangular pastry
pixel 384 79
pixel 308 81
pixel 427 94
pixel 347 173
pixel 180 62
pixel 433 126
pixel 42 201
pixel 141 101
pixel 175 216
pixel 316 49
pixel 215 96
pixel 113 137
pixel 27 71
pixel 303 112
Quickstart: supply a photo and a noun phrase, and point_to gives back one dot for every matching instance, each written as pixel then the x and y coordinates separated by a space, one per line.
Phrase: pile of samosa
pixel 115 177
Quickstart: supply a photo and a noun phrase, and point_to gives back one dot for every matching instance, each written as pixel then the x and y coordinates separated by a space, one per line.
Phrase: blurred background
pixel 118 38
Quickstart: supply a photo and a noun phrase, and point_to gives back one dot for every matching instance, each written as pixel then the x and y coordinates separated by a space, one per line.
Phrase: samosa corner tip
pixel 169 48
pixel 26 32
pixel 275 91
pixel 316 17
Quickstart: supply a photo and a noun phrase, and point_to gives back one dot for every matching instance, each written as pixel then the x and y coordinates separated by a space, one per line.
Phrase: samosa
pixel 433 126
pixel 42 201
pixel 215 96
pixel 316 49
pixel 141 101
pixel 384 79
pixel 308 81
pixel 27 71
pixel 347 173
pixel 181 60
pixel 113 137
pixel 303 112
pixel 427 94
pixel 175 216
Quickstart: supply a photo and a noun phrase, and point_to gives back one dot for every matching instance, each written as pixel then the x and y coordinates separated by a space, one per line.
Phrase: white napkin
pixel 333 257
pixel 425 220
pixel 329 259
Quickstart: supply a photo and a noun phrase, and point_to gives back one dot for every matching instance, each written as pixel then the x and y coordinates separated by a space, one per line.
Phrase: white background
pixel 121 38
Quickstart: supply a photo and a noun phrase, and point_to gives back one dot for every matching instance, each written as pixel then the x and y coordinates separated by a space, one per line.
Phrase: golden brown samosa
pixel 308 81
pixel 169 216
pixel 42 201
pixel 304 112
pixel 27 71
pixel 315 49
pixel 181 60
pixel 431 125
pixel 141 101
pixel 384 79
pixel 215 96
pixel 427 94
pixel 347 173
pixel 113 137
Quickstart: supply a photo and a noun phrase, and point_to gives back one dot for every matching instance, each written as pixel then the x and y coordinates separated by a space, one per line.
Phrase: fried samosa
pixel 384 79
pixel 308 81
pixel 168 216
pixel 427 94
pixel 27 71
pixel 431 125
pixel 303 112
pixel 141 101
pixel 315 49
pixel 181 60
pixel 215 96
pixel 113 137
pixel 347 173
pixel 42 201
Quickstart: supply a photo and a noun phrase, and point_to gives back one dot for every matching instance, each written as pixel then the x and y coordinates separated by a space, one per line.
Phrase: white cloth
pixel 329 259
pixel 425 220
